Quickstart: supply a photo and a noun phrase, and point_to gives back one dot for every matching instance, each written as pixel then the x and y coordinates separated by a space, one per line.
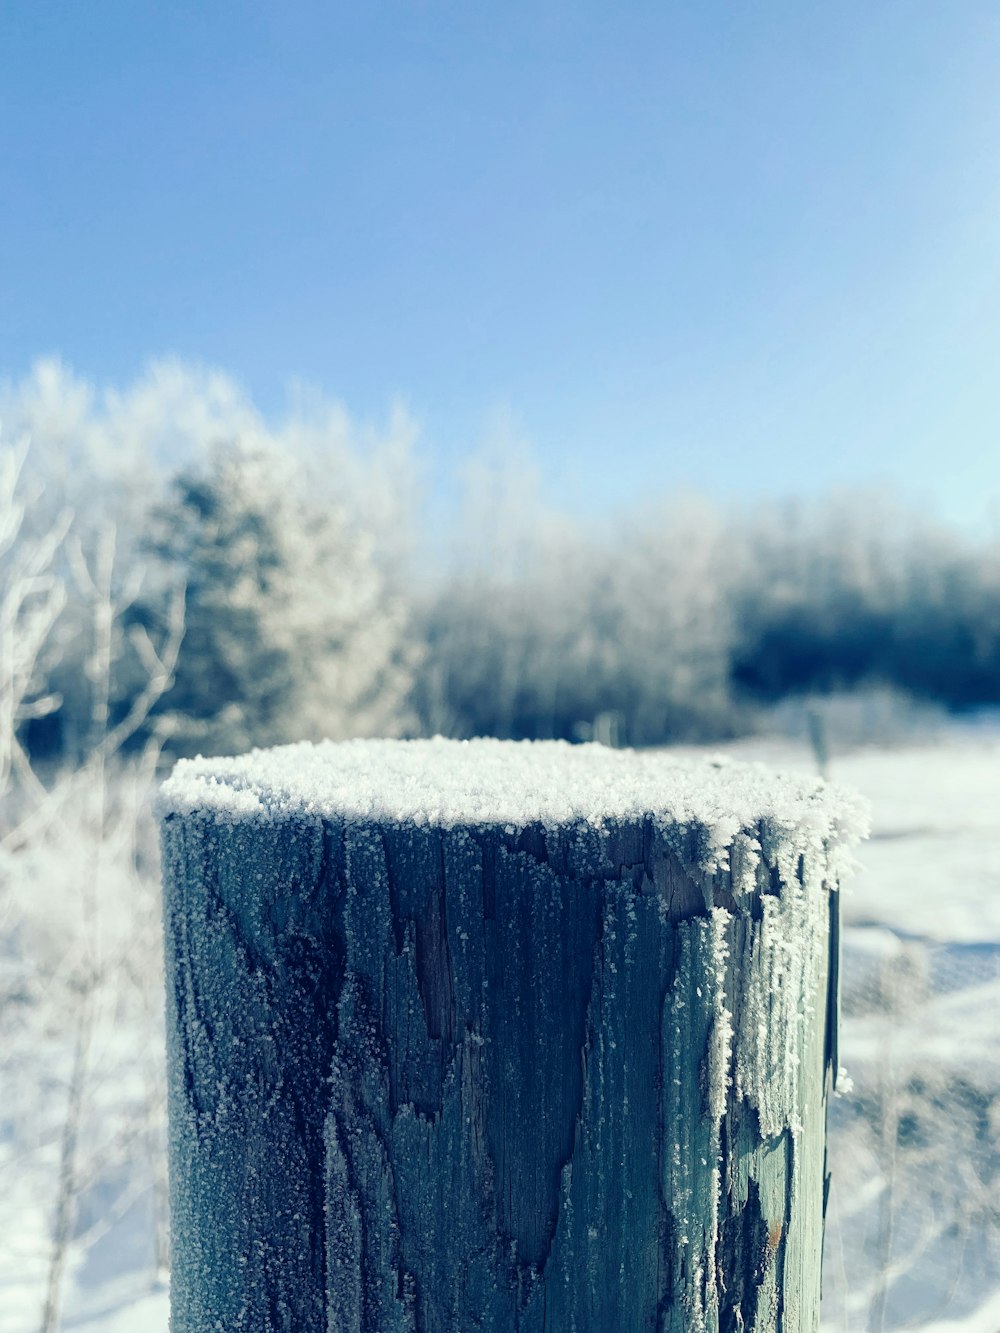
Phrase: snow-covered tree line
pixel 680 620
pixel 310 610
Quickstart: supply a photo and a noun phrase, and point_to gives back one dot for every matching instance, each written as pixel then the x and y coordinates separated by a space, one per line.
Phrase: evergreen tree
pixel 292 632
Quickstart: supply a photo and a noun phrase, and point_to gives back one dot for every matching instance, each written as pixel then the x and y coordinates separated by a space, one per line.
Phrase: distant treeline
pixel 685 623
pixel 289 560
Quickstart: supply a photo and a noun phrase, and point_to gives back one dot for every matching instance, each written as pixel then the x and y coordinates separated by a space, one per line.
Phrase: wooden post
pixel 493 1036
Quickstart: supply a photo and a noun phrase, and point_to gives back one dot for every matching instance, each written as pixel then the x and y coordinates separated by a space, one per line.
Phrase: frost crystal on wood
pixel 498 1037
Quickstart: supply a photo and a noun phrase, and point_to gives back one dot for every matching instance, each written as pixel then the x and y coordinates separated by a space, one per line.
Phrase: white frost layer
pixel 446 783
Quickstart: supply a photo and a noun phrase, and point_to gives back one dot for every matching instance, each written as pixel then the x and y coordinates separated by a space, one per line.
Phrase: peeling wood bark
pixel 442 1080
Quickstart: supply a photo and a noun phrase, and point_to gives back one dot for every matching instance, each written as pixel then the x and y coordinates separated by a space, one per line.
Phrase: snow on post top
pixel 445 783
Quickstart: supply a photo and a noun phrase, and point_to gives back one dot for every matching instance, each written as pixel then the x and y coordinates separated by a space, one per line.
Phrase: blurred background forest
pixel 195 577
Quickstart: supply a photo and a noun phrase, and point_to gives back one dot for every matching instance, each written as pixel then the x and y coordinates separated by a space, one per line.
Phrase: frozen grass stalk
pixel 499 1036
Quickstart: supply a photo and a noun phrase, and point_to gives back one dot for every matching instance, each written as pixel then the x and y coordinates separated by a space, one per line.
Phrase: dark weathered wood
pixel 483 1078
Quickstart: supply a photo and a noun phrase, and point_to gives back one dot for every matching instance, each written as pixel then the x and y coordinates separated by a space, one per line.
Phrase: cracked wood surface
pixel 478 1078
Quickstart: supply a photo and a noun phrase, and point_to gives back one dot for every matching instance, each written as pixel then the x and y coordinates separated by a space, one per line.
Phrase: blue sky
pixel 745 249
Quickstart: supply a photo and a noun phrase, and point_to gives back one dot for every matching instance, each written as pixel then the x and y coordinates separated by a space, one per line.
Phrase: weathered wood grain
pixel 431 1080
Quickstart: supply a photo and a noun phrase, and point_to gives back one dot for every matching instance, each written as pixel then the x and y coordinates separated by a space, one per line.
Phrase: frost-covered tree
pixel 292 630
pixel 663 612
pixel 550 629
pixel 32 597
pixel 91 459
pixel 306 555
pixel 80 988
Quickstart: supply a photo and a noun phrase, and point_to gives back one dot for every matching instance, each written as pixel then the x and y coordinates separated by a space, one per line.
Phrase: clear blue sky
pixel 738 247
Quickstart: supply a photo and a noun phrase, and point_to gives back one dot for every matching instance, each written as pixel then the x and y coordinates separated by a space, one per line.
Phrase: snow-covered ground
pixel 913 1239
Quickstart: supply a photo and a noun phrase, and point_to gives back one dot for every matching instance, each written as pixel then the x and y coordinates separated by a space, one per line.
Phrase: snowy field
pixel 913 1236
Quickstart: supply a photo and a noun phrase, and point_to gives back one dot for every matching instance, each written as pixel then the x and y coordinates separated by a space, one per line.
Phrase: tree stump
pixel 498 1036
